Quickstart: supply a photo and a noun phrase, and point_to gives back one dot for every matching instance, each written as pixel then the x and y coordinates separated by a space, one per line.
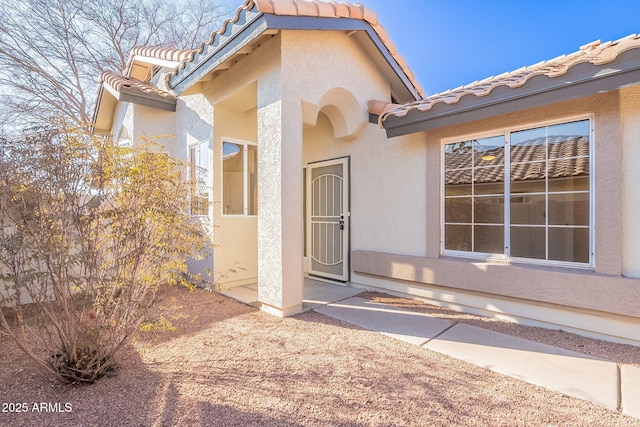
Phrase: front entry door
pixel 328 219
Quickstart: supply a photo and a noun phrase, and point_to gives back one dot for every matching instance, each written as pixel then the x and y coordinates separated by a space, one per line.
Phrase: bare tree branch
pixel 52 51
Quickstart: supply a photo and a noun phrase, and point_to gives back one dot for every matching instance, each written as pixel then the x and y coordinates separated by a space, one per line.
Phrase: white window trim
pixel 245 171
pixel 209 182
pixel 504 257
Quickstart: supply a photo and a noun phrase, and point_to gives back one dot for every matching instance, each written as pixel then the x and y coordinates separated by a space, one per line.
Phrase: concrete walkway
pixel 600 381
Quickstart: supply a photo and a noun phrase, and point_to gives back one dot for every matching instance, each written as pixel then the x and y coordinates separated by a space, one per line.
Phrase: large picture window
pixel 522 194
pixel 240 178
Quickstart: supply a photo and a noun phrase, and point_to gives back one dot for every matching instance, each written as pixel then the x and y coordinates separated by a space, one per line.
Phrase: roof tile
pixel 325 10
pixel 306 8
pixel 118 82
pixel 166 54
pixel 341 10
pixel 284 7
pixel 356 11
pixel 265 6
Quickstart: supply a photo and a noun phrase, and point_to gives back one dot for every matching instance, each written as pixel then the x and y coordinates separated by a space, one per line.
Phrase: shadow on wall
pixel 347 117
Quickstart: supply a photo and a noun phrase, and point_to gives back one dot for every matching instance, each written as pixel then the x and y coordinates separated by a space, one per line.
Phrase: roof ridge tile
pixel 158 52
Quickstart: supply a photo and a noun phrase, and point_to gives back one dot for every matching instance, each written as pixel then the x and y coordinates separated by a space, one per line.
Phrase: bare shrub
pixel 88 231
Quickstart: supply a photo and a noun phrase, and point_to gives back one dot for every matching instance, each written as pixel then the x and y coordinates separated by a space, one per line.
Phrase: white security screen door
pixel 328 219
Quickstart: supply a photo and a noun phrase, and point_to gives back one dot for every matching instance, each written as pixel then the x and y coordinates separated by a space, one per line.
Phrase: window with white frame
pixel 521 194
pixel 200 177
pixel 239 178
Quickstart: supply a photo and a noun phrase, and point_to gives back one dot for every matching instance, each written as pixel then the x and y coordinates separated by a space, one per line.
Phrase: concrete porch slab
pixel 405 325
pixel 318 293
pixel 247 294
pixel 569 372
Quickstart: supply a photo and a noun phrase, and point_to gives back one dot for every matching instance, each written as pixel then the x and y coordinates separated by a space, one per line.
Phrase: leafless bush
pixel 88 231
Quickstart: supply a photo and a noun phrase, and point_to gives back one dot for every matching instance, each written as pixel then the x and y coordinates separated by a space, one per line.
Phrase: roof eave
pixel 107 99
pixel 135 96
pixel 100 116
pixel 248 25
pixel 580 81
pixel 96 109
pixel 154 61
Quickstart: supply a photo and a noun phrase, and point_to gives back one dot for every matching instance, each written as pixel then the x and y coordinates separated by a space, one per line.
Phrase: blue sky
pixel 449 43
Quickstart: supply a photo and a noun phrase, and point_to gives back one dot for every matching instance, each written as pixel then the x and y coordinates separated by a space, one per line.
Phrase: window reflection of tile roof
pixel 311 8
pixel 596 53
pixel 527 162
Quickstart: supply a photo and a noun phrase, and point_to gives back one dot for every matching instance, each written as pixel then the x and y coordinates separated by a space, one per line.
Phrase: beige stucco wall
pixel 235 237
pixel 154 125
pixel 194 122
pixel 334 80
pixel 601 294
pixel 388 201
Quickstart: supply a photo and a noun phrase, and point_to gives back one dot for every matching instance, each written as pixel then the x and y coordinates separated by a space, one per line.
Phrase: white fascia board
pixel 156 61
pixel 111 90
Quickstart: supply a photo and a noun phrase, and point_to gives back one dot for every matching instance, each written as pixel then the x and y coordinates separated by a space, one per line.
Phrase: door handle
pixel 341 222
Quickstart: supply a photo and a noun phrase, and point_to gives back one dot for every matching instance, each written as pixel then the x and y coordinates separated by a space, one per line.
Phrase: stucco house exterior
pixel 318 154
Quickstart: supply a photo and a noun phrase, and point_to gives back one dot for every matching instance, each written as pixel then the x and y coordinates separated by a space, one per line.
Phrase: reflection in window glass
pixel 568 140
pixel 489 239
pixel 489 210
pixel 458 237
pixel 528 242
pixel 488 180
pixel 569 244
pixel 569 209
pixel 528 209
pixel 474 188
pixel 569 175
pixel 199 178
pixel 252 179
pixel 233 178
pixel 458 210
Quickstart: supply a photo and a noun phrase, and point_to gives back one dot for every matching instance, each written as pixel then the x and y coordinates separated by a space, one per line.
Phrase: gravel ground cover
pixel 227 364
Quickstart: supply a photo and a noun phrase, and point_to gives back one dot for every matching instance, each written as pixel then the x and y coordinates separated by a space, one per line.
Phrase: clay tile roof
pixel 313 8
pixel 596 53
pixel 119 82
pixel 167 54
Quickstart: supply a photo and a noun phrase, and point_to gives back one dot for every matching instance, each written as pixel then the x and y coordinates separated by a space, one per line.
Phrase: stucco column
pixel 280 222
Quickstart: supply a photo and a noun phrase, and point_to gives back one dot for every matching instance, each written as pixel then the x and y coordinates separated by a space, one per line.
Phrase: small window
pixel 200 178
pixel 240 178
pixel 522 194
